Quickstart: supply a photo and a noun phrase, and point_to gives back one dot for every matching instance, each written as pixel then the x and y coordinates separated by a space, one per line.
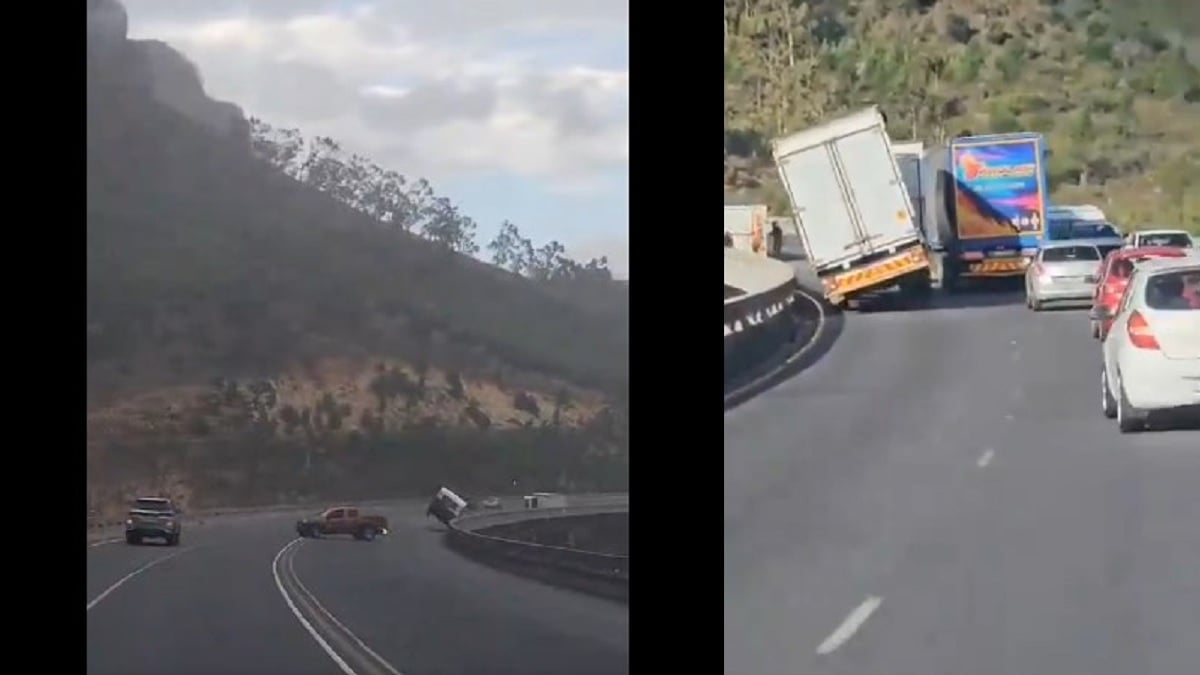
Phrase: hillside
pixel 251 339
pixel 1113 85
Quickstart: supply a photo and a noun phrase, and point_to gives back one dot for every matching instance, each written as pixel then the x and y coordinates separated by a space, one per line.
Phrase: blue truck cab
pixel 985 204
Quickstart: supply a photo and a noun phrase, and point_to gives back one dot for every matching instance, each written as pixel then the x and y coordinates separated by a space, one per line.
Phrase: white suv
pixel 1178 238
pixel 1152 351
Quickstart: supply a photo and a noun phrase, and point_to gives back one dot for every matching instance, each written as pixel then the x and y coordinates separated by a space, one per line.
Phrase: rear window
pixel 1176 239
pixel 1070 254
pixel 1122 268
pixel 1174 290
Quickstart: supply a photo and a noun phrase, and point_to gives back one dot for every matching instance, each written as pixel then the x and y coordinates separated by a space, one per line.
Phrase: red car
pixel 1114 275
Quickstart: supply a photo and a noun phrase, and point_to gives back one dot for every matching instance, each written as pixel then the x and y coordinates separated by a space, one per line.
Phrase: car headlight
pixel 170 523
pixel 129 521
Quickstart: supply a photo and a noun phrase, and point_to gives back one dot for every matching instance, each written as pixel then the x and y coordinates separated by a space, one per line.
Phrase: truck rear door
pixel 880 195
pixel 846 191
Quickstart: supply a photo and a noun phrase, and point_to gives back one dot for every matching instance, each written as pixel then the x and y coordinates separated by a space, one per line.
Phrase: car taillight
pixel 1139 332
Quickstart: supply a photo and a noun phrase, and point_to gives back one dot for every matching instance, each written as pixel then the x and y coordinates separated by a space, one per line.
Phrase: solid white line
pixel 986 458
pixel 345 667
pixel 95 601
pixel 329 615
pixel 104 542
pixel 851 625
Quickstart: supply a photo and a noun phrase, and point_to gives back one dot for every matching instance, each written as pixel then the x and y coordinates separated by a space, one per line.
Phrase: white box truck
pixel 852 208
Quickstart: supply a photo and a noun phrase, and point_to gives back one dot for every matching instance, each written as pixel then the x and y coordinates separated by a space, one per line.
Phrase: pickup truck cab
pixel 343 520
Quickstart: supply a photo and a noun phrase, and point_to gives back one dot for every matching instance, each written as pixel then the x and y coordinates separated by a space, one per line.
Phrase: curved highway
pixel 940 495
pixel 230 599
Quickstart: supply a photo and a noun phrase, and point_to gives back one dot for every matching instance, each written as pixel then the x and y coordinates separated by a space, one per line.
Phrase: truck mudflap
pixel 996 267
pixel 880 273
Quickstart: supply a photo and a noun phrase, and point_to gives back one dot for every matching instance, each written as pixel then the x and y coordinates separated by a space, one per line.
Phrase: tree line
pixel 411 206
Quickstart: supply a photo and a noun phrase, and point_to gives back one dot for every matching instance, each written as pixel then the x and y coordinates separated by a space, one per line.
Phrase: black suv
pixel 153 518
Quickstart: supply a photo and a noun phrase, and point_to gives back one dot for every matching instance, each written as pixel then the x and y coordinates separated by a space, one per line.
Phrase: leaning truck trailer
pixel 852 208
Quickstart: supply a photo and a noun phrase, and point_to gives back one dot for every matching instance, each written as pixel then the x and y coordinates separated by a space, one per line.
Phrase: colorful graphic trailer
pixel 1000 200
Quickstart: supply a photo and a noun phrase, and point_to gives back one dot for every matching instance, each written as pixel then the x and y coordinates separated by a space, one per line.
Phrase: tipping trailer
pixel 851 207
pixel 985 205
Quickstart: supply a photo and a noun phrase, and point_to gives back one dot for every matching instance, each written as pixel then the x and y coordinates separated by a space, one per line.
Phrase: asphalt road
pixel 940 495
pixel 215 608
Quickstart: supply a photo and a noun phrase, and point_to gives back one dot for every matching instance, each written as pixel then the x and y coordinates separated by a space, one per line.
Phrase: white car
pixel 1179 238
pixel 1152 350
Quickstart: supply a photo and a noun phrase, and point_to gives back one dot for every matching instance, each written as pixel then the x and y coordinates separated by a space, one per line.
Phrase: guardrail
pixel 760 318
pixel 598 573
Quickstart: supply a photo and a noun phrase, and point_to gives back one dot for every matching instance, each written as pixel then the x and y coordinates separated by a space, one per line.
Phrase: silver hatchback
pixel 1063 272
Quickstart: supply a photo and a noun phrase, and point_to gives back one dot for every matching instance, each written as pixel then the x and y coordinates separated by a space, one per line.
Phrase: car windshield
pixel 152 505
pixel 1070 254
pixel 1178 290
pixel 1105 249
pixel 1177 239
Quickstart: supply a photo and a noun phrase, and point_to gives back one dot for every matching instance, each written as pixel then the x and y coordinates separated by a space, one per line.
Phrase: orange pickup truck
pixel 343 520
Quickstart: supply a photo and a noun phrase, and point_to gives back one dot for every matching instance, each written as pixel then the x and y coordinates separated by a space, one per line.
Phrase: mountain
pixel 251 339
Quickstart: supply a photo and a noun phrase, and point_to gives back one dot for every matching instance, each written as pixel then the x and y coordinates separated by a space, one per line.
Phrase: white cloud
pixel 437 87
pixel 535 90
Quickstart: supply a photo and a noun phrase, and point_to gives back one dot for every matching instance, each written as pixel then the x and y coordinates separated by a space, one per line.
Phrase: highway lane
pixel 426 609
pixel 212 610
pixel 215 608
pixel 948 473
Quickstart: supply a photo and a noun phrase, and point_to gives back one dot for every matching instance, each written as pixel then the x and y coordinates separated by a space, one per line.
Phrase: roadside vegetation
pixel 1113 85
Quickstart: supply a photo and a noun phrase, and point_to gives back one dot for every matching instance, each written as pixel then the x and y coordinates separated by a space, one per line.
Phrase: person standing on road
pixel 776 240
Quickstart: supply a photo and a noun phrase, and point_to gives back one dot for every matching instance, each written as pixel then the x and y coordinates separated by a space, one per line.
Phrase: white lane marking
pixel 986 458
pixel 333 619
pixel 850 626
pixel 95 601
pixel 345 667
pixel 104 542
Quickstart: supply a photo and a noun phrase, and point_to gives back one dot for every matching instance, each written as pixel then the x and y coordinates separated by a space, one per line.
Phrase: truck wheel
pixel 173 540
pixel 133 539
pixel 950 282
pixel 365 534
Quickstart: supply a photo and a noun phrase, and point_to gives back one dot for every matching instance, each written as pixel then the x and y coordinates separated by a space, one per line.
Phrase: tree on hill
pixel 1110 84
pixel 410 207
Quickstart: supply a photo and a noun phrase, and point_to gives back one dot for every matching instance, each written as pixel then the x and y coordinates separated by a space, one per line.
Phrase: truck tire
pixel 173 540
pixel 365 534
pixel 133 540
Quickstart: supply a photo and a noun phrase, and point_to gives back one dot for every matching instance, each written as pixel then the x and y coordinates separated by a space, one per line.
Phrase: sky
pixel 514 109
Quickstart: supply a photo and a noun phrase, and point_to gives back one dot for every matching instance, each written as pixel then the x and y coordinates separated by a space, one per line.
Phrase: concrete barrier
pixel 760 319
pixel 596 573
